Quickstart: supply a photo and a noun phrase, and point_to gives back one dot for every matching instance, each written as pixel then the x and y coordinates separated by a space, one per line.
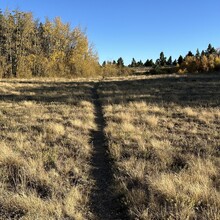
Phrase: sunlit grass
pixel 162 132
pixel 45 150
pixel 165 142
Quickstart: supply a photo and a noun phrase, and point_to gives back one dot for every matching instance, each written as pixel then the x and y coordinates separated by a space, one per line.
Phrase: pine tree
pixel 174 62
pixel 180 60
pixel 169 61
pixel 149 63
pixel 210 50
pixel 190 54
pixel 133 63
pixel 198 53
pixel 162 60
pixel 140 63
pixel 203 53
pixel 120 62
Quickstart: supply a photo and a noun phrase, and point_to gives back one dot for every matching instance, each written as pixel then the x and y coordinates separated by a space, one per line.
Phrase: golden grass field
pixel 45 151
pixel 163 135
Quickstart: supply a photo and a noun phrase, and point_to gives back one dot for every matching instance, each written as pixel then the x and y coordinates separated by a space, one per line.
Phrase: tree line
pixel 207 60
pixel 29 48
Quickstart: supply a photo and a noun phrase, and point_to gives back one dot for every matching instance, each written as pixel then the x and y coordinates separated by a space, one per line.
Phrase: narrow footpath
pixel 105 205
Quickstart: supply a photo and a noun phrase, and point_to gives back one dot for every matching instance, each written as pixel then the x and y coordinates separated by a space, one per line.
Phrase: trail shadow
pixel 186 90
pixel 48 92
pixel 105 203
pixel 193 90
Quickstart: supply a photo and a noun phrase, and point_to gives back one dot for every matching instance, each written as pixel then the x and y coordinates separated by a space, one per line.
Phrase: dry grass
pixel 163 134
pixel 45 150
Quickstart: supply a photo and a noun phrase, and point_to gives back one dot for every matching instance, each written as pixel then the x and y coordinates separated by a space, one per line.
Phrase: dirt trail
pixel 104 203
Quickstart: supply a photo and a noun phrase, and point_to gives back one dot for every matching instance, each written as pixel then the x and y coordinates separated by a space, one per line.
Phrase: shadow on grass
pixel 49 92
pixel 192 90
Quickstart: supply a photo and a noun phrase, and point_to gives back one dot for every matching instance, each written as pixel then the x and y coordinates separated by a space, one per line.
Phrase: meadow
pixel 164 135
pixel 157 136
pixel 45 150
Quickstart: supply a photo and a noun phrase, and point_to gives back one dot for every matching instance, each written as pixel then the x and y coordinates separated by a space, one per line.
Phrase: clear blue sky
pixel 135 28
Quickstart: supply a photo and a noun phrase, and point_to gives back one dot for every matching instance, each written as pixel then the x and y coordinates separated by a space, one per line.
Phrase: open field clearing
pixel 164 136
pixel 101 123
pixel 145 147
pixel 45 150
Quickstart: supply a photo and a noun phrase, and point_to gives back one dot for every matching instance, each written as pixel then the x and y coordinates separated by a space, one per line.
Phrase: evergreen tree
pixel 162 59
pixel 133 63
pixel 140 63
pixel 174 62
pixel 149 63
pixel 203 53
pixel 157 63
pixel 169 61
pixel 198 53
pixel 190 54
pixel 180 60
pixel 210 50
pixel 120 62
